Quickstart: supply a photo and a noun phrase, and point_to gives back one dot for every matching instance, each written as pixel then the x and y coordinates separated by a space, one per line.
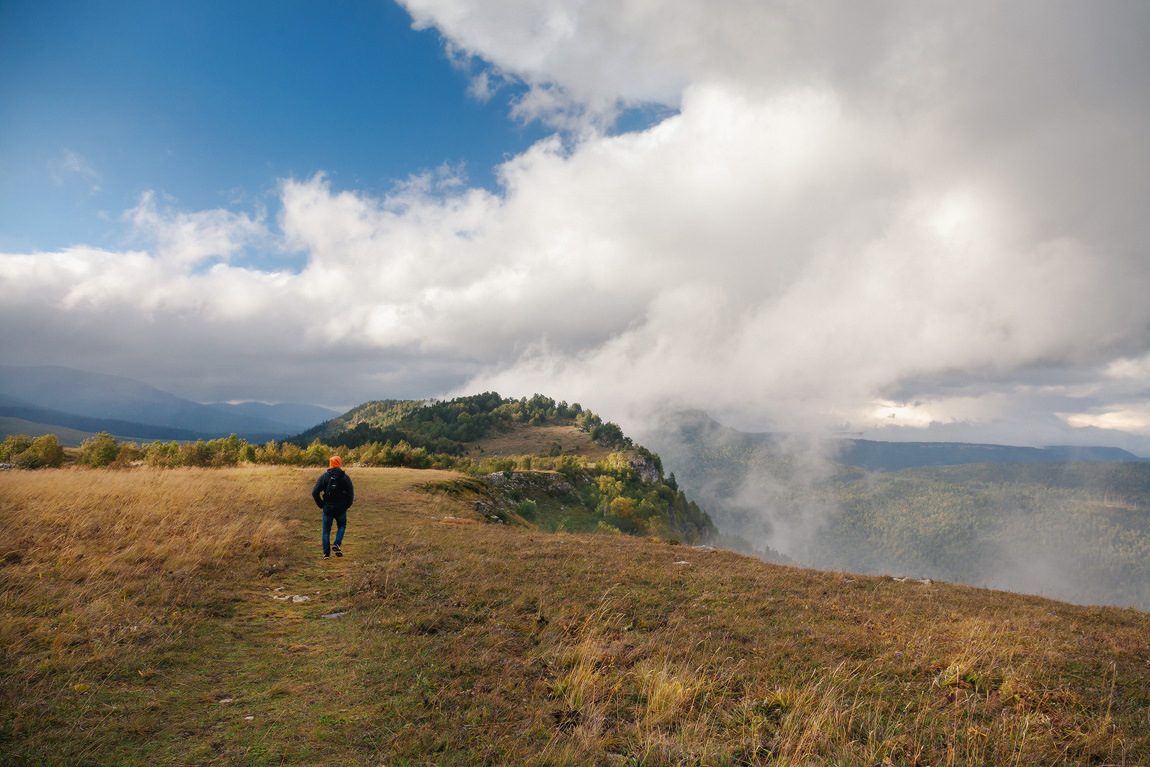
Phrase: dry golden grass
pixel 98 564
pixel 461 644
pixel 104 574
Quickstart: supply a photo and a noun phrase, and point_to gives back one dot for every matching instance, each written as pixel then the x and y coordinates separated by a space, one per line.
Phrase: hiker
pixel 333 493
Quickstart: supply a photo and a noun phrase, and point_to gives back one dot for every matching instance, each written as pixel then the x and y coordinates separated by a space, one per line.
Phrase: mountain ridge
pixel 880 455
pixel 67 397
pixel 296 415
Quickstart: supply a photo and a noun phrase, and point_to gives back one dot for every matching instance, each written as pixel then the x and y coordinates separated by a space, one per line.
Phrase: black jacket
pixel 331 506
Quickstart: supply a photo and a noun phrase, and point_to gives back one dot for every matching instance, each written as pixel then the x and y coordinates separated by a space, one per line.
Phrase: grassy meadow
pixel 184 617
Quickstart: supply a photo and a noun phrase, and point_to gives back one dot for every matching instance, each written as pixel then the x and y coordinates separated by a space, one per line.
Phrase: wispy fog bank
pixel 1077 532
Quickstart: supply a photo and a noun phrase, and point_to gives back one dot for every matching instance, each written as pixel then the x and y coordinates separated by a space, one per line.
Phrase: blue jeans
pixel 341 525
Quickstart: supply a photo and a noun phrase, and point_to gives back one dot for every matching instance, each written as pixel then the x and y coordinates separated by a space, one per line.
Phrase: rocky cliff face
pixel 646 468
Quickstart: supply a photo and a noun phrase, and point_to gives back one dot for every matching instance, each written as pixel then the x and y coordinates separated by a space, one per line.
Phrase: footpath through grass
pixel 158 617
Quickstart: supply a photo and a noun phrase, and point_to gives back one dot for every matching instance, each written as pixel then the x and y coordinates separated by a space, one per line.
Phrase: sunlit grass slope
pixel 158 617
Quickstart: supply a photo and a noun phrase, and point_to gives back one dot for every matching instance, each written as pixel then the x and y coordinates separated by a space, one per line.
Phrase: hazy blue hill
pixel 10 401
pixel 293 417
pixel 60 395
pixel 80 423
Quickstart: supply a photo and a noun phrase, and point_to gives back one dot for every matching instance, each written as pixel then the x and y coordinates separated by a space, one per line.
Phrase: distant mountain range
pixel 92 402
pixel 694 429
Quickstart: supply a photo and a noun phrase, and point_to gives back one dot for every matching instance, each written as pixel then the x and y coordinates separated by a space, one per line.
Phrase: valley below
pixel 1018 519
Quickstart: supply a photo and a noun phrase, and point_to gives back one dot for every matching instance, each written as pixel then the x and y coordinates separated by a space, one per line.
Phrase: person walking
pixel 333 492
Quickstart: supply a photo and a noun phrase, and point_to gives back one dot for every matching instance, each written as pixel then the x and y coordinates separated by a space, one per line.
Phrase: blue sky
pixel 900 219
pixel 211 103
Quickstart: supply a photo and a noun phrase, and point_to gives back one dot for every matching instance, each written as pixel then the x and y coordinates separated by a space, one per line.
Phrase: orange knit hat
pixel 335 462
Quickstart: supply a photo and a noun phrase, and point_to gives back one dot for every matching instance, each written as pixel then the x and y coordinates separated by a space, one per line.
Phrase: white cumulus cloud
pixel 899 214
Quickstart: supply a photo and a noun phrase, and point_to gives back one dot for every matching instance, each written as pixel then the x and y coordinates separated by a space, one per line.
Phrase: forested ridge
pixel 446 426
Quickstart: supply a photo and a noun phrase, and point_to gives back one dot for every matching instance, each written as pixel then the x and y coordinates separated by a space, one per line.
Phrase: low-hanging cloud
pixel 912 214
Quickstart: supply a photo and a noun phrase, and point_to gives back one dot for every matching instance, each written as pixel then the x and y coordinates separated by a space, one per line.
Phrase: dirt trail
pixel 389 505
pixel 297 635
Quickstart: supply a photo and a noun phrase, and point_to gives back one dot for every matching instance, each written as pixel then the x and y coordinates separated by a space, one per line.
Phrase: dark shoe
pixel 325 556
pixel 337 550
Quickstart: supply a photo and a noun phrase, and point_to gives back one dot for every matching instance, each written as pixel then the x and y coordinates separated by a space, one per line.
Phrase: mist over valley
pixel 1068 523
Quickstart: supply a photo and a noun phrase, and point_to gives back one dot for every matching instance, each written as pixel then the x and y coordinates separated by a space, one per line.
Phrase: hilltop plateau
pixel 476 425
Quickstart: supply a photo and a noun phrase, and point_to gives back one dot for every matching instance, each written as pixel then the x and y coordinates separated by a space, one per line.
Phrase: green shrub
pixel 291 454
pixel 129 453
pixel 197 453
pixel 162 454
pixel 27 453
pixel 318 453
pixel 100 450
pixel 226 451
pixel 527 509
pixel 14 446
pixel 49 450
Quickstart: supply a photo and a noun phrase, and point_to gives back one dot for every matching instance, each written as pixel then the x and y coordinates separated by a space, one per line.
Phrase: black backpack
pixel 336 491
